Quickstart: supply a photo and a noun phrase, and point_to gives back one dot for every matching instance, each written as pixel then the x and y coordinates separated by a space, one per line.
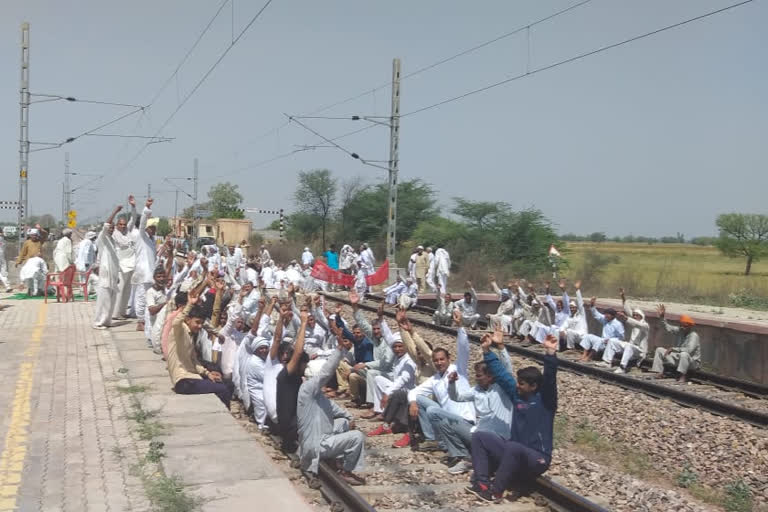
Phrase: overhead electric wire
pixel 200 82
pixel 57 97
pixel 575 58
pixel 55 145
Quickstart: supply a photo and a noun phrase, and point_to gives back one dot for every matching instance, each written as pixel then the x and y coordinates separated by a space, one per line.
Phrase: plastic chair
pixel 62 281
pixel 82 282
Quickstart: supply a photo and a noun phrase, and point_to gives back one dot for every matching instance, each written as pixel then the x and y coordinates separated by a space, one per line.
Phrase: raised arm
pixel 500 375
pixel 277 337
pixel 111 218
pixel 145 215
pixel 549 382
pixel 672 329
pixel 132 218
pixel 298 349
pixel 462 346
pixel 579 298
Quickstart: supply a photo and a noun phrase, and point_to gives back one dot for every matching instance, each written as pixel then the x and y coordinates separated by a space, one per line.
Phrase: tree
pixel 479 214
pixel 225 200
pixel 597 237
pixel 349 191
pixel 163 227
pixel 367 212
pixel 316 194
pixel 744 235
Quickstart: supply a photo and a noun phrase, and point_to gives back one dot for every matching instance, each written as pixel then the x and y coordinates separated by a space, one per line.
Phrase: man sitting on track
pixel 575 327
pixel 288 382
pixel 443 315
pixel 432 412
pixel 361 378
pixel 493 409
pixel 612 329
pixel 637 346
pixel 324 428
pixel 506 310
pixel 528 451
pixel 402 377
pixel 468 307
pixel 686 352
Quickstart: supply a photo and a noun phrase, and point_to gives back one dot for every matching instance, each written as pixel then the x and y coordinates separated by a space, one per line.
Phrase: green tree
pixel 366 217
pixel 597 236
pixel 743 235
pixel 225 200
pixel 479 214
pixel 163 227
pixel 316 195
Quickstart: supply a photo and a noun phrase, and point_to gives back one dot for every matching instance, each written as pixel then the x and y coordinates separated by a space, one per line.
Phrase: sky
pixel 653 137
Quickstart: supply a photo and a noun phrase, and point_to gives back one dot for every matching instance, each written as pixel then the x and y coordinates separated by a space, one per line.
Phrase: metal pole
pixel 67 187
pixel 394 161
pixel 175 214
pixel 194 203
pixel 24 129
pixel 282 218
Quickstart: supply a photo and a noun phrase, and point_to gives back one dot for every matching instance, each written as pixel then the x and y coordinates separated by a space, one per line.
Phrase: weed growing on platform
pixel 167 494
pixel 155 453
pixel 131 390
pixel 122 370
pixel 687 477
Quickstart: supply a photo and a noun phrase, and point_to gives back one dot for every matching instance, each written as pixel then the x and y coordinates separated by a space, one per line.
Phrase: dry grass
pixel 671 272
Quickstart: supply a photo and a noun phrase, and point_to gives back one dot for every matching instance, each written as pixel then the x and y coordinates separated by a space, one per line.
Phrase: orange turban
pixel 686 320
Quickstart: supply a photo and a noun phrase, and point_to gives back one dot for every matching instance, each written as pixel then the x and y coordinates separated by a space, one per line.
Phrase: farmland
pixel 671 272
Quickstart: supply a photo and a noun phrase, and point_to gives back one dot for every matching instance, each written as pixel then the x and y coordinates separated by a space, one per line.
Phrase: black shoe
pixel 449 460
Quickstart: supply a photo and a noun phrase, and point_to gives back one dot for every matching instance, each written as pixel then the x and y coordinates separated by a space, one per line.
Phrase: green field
pixel 673 272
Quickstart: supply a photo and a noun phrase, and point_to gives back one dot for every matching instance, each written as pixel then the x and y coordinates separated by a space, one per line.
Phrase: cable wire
pixel 57 97
pixel 199 83
pixel 575 58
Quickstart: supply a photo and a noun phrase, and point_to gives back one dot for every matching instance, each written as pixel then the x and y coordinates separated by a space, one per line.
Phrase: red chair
pixel 62 281
pixel 82 282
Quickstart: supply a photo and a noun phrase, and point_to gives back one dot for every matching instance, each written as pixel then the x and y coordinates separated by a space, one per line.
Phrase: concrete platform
pixel 204 445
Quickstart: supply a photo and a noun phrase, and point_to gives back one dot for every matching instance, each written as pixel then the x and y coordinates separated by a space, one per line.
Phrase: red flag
pixel 379 276
pixel 325 273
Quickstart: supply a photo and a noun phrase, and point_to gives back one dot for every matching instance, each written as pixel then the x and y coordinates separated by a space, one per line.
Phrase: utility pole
pixel 24 130
pixel 394 162
pixel 67 189
pixel 194 201
pixel 176 214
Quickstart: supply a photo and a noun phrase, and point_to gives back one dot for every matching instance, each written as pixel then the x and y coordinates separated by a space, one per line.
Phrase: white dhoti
pixel 405 301
pixel 593 342
pixel 34 284
pixel 259 409
pixel 4 272
pixel 572 338
pixel 503 321
pixel 441 318
pixel 140 299
pixel 525 328
pixel 370 384
pixel 442 281
pixel 105 304
pixel 123 295
pixel 627 350
pixel 380 383
pixel 313 367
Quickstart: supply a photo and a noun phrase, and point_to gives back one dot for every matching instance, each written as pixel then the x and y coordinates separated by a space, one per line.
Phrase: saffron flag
pixel 553 251
pixel 379 276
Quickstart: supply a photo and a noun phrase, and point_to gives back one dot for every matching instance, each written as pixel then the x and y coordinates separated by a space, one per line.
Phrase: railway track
pixel 404 480
pixel 747 402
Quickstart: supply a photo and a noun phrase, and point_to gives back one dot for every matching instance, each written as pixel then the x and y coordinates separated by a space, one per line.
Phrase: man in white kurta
pixel 109 274
pixel 306 257
pixel 4 266
pixel 62 253
pixel 126 254
pixel 143 274
pixel 442 268
pixel 86 252
pixel 32 274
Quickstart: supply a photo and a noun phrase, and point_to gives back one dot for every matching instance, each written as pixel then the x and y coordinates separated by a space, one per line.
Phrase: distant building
pixel 226 231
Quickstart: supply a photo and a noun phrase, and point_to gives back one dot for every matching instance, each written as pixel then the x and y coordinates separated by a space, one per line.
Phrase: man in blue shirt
pixel 332 257
pixel 528 452
pixel 363 345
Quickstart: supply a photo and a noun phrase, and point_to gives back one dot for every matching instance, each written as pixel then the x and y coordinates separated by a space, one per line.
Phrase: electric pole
pixel 67 188
pixel 394 161
pixel 194 201
pixel 24 130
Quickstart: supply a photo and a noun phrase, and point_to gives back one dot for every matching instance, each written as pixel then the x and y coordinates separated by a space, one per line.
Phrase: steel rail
pixel 756 418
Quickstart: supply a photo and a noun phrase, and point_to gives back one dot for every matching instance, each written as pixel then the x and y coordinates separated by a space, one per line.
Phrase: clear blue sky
pixel 653 137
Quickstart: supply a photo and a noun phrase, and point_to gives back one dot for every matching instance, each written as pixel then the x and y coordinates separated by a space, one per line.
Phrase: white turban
pixel 66 232
pixel 153 222
pixel 32 231
pixel 90 235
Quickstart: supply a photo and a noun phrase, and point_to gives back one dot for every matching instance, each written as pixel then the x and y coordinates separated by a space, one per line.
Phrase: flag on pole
pixel 553 251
